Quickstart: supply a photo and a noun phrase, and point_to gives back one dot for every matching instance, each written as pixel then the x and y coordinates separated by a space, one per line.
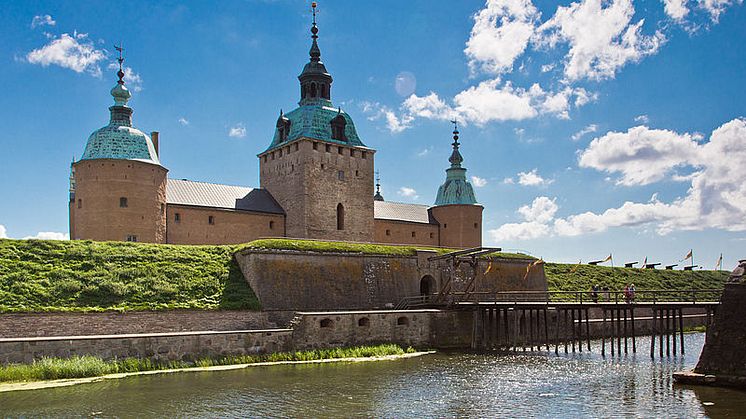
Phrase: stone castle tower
pixel 456 208
pixel 316 166
pixel 118 187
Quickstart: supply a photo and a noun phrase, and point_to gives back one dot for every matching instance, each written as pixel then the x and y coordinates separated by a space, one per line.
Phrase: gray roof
pixel 399 211
pixel 202 194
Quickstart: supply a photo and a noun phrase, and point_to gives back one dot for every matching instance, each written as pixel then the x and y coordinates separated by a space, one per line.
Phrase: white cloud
pixel 42 20
pixel 183 121
pixel 49 235
pixel 541 210
pixel 500 34
pixel 424 152
pixel 131 79
pixel 536 217
pixel 237 131
pixel 676 9
pixel 478 182
pixel 716 7
pixel 547 68
pixel 74 52
pixel 601 39
pixel 643 119
pixel 3 232
pixel 508 181
pixel 532 178
pixel 587 130
pixel 408 193
pixel 716 198
pixel 395 124
pixel 642 155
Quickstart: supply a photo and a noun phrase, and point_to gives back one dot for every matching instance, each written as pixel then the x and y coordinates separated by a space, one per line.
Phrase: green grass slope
pixel 570 277
pixel 40 275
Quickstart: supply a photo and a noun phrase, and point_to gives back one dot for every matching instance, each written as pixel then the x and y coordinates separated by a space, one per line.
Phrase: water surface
pixel 441 385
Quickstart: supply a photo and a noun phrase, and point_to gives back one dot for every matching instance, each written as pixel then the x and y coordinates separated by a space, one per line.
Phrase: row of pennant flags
pixel 531 266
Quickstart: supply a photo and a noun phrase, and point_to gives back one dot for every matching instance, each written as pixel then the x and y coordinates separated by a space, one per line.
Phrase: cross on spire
pixel 120 73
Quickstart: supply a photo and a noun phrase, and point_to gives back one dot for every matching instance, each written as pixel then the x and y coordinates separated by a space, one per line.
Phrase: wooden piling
pixel 681 329
pixel 624 311
pixel 588 329
pixel 603 335
pixel 634 337
pixel 546 327
pixel 654 330
pixel 564 331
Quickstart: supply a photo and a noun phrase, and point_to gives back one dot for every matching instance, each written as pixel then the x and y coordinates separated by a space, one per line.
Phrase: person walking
pixel 632 293
pixel 626 294
pixel 594 293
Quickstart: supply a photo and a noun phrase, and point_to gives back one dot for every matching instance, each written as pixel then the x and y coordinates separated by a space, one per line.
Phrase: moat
pixel 441 385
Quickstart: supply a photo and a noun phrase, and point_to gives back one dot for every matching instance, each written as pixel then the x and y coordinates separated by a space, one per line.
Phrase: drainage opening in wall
pixel 402 321
pixel 326 323
pixel 363 322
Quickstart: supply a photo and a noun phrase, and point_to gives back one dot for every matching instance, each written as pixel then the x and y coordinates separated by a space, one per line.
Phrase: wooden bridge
pixel 569 320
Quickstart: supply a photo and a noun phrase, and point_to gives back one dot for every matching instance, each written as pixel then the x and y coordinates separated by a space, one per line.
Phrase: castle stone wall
pixel 400 232
pixel 229 226
pixel 460 225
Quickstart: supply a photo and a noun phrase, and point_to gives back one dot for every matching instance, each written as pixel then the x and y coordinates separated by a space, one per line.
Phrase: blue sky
pixel 589 127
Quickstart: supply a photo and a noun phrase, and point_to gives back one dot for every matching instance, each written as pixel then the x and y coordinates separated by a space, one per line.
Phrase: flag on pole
pixel 575 268
pixel 645 262
pixel 608 258
pixel 688 255
pixel 489 267
pixel 719 264
pixel 531 266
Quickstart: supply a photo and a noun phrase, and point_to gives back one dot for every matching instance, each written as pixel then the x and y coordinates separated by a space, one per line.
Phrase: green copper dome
pixel 316 117
pixel 119 140
pixel 456 189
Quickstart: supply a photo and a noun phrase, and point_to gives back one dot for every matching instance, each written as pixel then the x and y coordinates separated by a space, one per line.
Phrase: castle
pixel 316 182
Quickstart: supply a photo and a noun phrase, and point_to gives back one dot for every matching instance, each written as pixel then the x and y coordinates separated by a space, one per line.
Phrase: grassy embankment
pixel 89 366
pixel 40 275
pixel 569 277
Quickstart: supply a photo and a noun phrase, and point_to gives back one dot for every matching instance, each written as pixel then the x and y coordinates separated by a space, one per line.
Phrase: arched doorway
pixel 427 285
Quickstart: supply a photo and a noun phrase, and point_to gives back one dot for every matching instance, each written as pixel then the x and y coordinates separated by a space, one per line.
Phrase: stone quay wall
pixel 294 280
pixel 135 322
pixel 724 353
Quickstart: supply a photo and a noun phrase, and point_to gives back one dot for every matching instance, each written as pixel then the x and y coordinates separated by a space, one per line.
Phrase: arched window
pixel 363 322
pixel 338 124
pixel 313 90
pixel 340 217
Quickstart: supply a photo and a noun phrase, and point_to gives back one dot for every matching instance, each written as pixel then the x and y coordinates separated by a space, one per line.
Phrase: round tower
pixel 118 187
pixel 456 208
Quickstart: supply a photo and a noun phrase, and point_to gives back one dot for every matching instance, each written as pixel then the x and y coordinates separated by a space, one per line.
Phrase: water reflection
pixel 443 385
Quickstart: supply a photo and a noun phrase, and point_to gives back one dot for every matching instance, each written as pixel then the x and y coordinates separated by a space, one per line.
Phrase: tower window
pixel 313 89
pixel 340 150
pixel 341 175
pixel 265 158
pixel 388 232
pixel 315 146
pixel 122 202
pixel 80 203
pixel 340 217
pixel 476 225
pixel 210 220
pixel 445 225
pixel 177 217
pixel 131 238
pixel 357 173
pixel 414 234
pixel 296 146
pixel 352 153
pixel 338 124
pixel 432 235
pixel 271 225
pixel 364 154
pixel 328 148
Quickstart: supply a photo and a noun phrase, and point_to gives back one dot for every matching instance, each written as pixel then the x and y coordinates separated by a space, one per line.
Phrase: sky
pixel 588 127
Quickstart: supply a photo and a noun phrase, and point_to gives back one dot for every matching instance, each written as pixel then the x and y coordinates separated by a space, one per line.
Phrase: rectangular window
pixel 131 238
pixel 279 153
pixel 80 203
pixel 357 173
pixel 328 148
pixel 296 146
pixel 432 235
pixel 271 225
pixel 413 234
pixel 352 153
pixel 340 150
pixel 177 217
pixel 341 175
pixel 315 146
pixel 365 154
pixel 265 158
pixel 388 232
pixel 210 220
pixel 122 202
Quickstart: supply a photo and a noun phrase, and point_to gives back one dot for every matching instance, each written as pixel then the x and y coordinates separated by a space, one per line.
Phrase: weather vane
pixel 121 58
pixel 313 9
pixel 455 125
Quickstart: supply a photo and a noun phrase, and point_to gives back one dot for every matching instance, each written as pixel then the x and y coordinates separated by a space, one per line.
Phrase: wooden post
pixel 681 329
pixel 603 336
pixel 515 329
pixel 612 333
pixel 556 330
pixel 506 328
pixel 572 328
pixel 546 327
pixel 668 332
pixel 674 329
pixel 564 331
pixel 618 332
pixel 624 310
pixel 661 331
pixel 525 330
pixel 634 337
pixel 530 328
pixel 588 328
pixel 654 329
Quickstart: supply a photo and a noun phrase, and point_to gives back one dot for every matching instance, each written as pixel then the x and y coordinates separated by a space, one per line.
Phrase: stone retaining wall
pixel 131 322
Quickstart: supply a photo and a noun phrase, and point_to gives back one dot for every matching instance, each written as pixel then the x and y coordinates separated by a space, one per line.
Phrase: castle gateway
pixel 316 182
